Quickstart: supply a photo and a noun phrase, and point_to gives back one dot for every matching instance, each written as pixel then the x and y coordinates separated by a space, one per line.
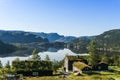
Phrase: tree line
pixel 95 57
pixel 34 63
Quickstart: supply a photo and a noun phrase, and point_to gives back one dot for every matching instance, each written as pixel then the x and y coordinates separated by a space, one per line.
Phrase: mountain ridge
pixel 19 37
pixel 52 37
pixel 107 42
pixel 55 37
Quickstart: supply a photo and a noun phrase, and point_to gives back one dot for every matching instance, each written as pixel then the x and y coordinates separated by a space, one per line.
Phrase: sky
pixel 66 17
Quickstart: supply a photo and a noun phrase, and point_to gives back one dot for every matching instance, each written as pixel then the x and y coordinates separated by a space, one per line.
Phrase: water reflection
pixel 59 55
pixel 52 50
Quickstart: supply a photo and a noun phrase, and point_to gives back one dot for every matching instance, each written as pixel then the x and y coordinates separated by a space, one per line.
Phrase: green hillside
pixel 20 37
pixel 107 42
pixel 79 45
pixel 6 48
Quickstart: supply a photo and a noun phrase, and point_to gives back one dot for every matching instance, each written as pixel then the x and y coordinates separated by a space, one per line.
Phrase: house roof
pixel 80 65
pixel 103 62
pixel 71 57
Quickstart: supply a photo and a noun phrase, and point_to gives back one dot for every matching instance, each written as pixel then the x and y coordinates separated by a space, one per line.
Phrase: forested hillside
pixel 20 37
pixel 55 37
pixel 6 48
pixel 79 45
pixel 107 42
pixel 20 43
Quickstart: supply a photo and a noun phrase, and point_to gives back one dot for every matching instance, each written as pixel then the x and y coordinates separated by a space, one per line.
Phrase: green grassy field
pixel 103 75
pixel 115 68
pixel 93 77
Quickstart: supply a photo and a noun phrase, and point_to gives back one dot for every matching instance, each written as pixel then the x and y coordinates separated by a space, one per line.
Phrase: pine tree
pixel 17 59
pixel 35 55
pixel 7 65
pixel 94 56
pixel 1 65
pixel 119 61
pixel 116 60
pixel 47 58
pixel 104 58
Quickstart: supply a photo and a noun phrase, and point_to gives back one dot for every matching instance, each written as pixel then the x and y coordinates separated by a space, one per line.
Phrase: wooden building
pixel 81 67
pixel 100 66
pixel 69 60
pixel 33 68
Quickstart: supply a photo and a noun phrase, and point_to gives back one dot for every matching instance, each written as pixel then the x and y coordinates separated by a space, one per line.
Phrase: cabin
pixel 101 66
pixel 81 67
pixel 69 60
pixel 36 73
pixel 33 68
pixel 12 77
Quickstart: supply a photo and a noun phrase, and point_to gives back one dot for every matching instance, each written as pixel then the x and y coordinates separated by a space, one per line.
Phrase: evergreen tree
pixel 35 55
pixel 116 60
pixel 104 59
pixel 56 65
pixel 17 59
pixel 7 65
pixel 94 56
pixel 119 61
pixel 47 57
pixel 1 64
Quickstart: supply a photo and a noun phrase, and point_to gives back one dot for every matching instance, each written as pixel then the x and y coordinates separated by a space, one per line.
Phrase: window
pixel 35 73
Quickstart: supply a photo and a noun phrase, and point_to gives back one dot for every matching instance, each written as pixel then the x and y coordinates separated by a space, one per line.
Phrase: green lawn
pixel 93 77
pixel 115 68
pixel 100 76
pixel 103 75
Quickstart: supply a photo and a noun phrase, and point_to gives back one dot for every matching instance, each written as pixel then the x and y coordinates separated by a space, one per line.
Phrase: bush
pixel 32 65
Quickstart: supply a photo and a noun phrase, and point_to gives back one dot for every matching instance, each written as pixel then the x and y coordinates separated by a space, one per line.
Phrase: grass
pixel 115 68
pixel 103 75
pixel 93 77
pixel 107 73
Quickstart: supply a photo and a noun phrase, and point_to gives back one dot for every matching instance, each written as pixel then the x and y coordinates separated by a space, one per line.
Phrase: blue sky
pixel 66 17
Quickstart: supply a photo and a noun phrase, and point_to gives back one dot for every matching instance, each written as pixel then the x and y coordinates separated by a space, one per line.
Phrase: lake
pixel 54 55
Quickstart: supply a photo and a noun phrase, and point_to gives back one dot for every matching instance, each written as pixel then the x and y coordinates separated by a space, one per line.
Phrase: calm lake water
pixel 55 55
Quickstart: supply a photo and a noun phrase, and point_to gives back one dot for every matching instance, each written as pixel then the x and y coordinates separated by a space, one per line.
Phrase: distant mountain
pixel 28 37
pixel 107 42
pixel 80 45
pixel 7 48
pixel 20 37
pixel 20 43
pixel 54 37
